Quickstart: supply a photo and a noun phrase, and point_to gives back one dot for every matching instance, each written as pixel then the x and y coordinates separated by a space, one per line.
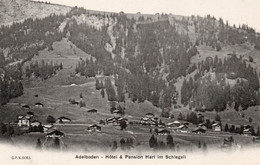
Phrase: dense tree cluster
pixel 210 87
pixel 25 39
pixel 43 69
pixel 148 57
pixel 87 68
pixel 92 41
pixel 161 145
pixel 240 129
pixel 126 144
pixel 110 90
pixel 144 50
pixel 215 33
pixel 10 83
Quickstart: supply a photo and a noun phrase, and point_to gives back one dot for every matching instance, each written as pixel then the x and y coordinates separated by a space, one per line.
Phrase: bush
pixel 251 59
pixel 50 119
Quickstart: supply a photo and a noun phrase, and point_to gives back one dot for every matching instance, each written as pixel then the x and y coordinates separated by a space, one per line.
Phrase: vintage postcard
pixel 129 81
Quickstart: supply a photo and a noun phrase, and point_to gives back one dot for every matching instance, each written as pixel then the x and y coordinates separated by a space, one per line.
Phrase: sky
pixel 235 11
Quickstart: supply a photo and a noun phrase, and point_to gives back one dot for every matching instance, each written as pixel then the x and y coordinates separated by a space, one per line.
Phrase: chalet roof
pixel 182 126
pixel 24 117
pixel 48 126
pixel 92 110
pixel 199 130
pixel 94 126
pixel 122 118
pixel 169 124
pixel 201 124
pixel 62 117
pixel 116 111
pixel 111 118
pixel 173 123
pixel 25 106
pixel 164 131
pixel 215 124
pixel 56 132
pixel 247 130
pixel 154 120
pixel 38 104
pixel 145 118
pixel 149 114
pixel 35 121
pixel 30 113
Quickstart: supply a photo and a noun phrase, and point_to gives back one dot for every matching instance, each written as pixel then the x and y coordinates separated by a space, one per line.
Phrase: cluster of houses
pixel 115 120
pixel 37 105
pixel 26 123
pixel 178 127
pixel 149 120
pixel 247 130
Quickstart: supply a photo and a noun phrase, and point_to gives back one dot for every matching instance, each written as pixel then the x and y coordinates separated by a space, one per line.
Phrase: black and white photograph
pixel 129 81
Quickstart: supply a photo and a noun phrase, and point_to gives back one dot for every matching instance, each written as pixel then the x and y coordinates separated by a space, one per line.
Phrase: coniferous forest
pixel 147 58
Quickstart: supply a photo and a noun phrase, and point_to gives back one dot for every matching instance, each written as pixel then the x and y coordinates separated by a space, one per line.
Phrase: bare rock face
pixel 18 10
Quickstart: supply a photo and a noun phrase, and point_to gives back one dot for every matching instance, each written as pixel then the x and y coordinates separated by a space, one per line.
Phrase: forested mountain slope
pixel 148 56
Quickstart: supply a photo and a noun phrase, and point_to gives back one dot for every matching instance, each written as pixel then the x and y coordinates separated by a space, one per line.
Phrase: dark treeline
pixel 92 41
pixel 147 49
pixel 144 50
pixel 216 93
pixel 25 39
pixel 43 69
pixel 22 41
pixel 153 46
pixel 10 83
pixel 148 56
pixel 215 33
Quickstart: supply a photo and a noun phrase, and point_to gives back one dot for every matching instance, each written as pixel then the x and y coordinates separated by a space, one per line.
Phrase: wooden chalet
pixel 113 121
pixel 55 134
pixel 148 121
pixel 30 114
pixel 117 112
pixel 216 127
pixel 173 124
pixel 92 111
pixel 23 121
pixel 247 131
pixel 25 106
pixel 39 105
pixel 202 125
pixel 47 127
pixel 94 128
pixel 35 123
pixel 199 130
pixel 63 120
pixel 149 115
pixel 163 132
pixel 183 129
